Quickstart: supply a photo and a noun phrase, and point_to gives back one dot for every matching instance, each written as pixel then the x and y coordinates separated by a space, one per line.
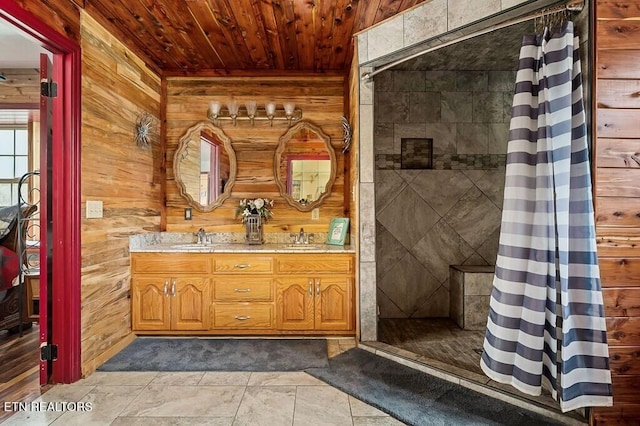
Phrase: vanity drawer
pixel 315 264
pixel 174 263
pixel 243 264
pixel 243 315
pixel 241 289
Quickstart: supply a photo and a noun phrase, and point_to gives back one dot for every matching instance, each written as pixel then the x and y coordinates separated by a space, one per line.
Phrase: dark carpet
pixel 417 398
pixel 192 354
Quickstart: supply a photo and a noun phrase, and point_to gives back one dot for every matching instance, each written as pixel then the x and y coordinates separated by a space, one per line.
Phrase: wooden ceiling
pixel 193 36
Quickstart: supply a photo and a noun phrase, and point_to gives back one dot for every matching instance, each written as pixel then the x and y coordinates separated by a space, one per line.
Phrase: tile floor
pixel 203 398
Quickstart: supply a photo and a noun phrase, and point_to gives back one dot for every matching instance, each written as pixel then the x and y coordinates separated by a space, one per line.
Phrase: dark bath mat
pixel 417 398
pixel 193 354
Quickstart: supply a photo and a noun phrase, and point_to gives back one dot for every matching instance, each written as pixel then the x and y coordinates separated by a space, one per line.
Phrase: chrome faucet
pixel 202 236
pixel 303 238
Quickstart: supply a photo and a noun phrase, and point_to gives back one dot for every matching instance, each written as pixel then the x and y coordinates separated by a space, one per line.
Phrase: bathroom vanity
pixel 227 289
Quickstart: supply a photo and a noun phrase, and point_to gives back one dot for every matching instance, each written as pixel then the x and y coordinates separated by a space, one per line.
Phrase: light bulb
pixel 252 106
pixel 270 107
pixel 233 106
pixel 289 107
pixel 214 108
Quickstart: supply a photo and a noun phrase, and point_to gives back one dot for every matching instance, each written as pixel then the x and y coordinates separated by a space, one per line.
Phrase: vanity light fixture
pixel 251 111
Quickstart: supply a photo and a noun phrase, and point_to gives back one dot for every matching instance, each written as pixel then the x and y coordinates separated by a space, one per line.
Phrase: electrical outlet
pixel 187 214
pixel 94 209
pixel 315 214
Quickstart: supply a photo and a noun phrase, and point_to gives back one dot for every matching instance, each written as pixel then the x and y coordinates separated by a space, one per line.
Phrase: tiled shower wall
pixel 427 220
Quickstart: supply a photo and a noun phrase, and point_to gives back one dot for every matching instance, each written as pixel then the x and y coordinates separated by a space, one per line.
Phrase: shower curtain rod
pixel 573 6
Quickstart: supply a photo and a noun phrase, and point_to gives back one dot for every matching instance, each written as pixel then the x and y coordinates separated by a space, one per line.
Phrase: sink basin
pixel 303 246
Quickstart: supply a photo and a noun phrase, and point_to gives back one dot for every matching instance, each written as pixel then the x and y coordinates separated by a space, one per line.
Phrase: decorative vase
pixel 253 229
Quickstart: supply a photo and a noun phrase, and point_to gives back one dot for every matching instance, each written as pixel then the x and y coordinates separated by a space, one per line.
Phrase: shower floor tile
pixel 440 343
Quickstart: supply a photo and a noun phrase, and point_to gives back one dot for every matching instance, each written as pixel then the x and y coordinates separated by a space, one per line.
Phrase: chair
pixel 10 315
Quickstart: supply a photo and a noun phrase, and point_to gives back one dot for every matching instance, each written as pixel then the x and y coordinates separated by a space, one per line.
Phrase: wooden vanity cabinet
pixel 243 293
pixel 170 292
pixel 315 292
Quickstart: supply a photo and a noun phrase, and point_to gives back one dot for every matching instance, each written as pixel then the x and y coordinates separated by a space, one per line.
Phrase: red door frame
pixel 65 187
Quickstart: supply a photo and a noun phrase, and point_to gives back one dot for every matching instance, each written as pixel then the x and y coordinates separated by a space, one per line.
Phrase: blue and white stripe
pixel 546 326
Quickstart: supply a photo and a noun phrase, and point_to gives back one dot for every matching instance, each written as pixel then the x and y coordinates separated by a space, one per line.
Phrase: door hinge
pixel 49 353
pixel 48 89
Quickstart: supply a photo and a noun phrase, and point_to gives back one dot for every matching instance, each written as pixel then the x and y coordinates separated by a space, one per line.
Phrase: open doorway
pixel 55 63
pixel 20 202
pixel 438 223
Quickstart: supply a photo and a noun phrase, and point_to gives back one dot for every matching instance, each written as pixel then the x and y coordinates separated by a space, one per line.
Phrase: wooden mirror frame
pixel 194 131
pixel 282 144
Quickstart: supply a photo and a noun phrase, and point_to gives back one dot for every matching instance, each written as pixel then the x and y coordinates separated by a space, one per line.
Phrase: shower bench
pixel 469 291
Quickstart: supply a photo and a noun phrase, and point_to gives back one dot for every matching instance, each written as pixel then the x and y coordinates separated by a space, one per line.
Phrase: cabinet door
pixel 294 301
pixel 333 307
pixel 149 306
pixel 189 303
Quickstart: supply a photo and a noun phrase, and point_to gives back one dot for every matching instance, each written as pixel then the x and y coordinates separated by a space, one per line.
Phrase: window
pixel 14 156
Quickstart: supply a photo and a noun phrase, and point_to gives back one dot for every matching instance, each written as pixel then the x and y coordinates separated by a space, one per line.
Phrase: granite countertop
pixel 241 248
pixel 183 243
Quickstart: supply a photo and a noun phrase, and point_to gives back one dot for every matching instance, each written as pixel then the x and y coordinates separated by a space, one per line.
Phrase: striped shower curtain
pixel 546 326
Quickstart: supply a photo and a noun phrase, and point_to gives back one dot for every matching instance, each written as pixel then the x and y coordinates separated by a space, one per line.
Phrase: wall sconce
pixel 251 111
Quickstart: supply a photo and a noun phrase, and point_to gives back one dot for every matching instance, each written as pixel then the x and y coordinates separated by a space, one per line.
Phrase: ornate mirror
pixel 205 166
pixel 305 166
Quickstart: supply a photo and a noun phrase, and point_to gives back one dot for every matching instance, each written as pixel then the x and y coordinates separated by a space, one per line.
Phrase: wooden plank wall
pixel 22 86
pixel 617 190
pixel 321 99
pixel 116 87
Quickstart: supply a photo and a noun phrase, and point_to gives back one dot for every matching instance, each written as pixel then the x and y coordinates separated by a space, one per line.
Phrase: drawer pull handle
pixel 242 265
pixel 173 288
pixel 166 288
pixel 239 318
pixel 318 288
pixel 242 290
pixel 310 287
